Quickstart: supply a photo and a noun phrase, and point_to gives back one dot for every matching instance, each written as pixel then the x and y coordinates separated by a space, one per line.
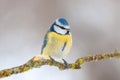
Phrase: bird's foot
pixel 66 63
pixel 53 60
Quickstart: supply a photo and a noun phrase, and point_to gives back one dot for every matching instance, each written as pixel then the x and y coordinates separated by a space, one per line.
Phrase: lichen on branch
pixel 75 65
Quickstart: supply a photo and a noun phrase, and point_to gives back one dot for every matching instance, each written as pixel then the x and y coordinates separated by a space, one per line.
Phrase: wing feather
pixel 44 42
pixel 64 45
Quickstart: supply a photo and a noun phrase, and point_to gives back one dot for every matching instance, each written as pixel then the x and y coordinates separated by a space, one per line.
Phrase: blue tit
pixel 57 41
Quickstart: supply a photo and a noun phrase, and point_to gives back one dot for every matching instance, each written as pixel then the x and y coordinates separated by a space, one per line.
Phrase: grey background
pixel 95 26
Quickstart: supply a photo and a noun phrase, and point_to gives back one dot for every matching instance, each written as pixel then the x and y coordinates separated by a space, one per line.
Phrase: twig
pixel 76 65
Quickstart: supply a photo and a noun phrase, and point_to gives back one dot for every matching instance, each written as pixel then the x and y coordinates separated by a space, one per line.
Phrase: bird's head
pixel 60 26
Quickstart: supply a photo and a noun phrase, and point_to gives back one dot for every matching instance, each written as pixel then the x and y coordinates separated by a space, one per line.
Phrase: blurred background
pixel 95 26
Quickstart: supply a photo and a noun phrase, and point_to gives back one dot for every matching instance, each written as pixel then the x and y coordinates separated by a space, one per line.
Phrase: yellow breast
pixel 55 44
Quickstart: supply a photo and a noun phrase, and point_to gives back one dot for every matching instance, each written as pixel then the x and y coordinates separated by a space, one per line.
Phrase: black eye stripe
pixel 60 26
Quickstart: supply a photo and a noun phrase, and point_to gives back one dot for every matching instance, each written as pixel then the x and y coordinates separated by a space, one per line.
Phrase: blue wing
pixel 44 43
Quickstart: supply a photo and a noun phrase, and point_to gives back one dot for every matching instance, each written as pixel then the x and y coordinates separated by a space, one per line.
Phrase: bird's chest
pixel 57 43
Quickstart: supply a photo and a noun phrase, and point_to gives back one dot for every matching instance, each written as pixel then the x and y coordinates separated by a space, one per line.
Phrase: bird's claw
pixel 66 63
pixel 53 60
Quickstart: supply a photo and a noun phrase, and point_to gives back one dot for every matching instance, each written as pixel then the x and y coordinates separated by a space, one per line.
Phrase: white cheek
pixel 59 30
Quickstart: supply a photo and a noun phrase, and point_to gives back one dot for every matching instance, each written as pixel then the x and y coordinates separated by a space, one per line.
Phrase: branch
pixel 76 65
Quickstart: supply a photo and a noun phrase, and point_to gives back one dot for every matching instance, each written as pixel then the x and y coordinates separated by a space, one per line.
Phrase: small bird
pixel 57 41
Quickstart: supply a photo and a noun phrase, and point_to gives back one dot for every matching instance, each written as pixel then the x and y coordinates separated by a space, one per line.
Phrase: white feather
pixel 58 23
pixel 59 30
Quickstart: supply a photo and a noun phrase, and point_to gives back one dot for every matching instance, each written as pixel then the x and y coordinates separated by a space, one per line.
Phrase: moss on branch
pixel 76 65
